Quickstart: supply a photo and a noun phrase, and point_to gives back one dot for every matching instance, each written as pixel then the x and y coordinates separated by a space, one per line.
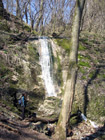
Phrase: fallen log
pixel 44 120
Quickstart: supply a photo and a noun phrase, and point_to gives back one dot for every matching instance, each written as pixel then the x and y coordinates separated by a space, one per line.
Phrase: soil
pixel 19 130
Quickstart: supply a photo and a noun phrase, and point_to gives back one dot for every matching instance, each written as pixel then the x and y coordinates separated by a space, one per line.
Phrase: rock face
pixel 50 107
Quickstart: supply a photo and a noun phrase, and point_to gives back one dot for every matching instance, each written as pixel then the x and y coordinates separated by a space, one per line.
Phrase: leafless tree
pixel 71 79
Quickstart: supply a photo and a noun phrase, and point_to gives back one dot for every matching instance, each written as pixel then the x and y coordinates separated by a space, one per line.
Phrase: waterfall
pixel 83 117
pixel 45 61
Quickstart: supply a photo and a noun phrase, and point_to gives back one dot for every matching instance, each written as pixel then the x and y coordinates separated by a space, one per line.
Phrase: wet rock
pixel 50 107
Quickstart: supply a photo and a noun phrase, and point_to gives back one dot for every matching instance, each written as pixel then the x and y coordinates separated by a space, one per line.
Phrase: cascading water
pixel 45 62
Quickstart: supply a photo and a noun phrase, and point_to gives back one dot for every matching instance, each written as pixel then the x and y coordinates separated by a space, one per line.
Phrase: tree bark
pixel 17 8
pixel 40 19
pixel 71 79
pixel 26 14
pixel 1 8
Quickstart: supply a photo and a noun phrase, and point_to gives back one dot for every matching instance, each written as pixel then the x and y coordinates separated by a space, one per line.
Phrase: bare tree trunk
pixel 12 5
pixel 1 8
pixel 26 15
pixel 17 8
pixel 31 16
pixel 7 5
pixel 40 19
pixel 71 79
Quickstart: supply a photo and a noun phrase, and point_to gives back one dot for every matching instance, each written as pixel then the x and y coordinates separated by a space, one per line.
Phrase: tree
pixel 40 19
pixel 17 8
pixel 71 79
pixel 1 8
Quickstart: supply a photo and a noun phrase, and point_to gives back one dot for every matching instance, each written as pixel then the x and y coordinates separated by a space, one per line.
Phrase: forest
pixel 52 69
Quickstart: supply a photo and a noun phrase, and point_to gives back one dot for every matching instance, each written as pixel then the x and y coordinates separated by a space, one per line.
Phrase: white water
pixel 91 122
pixel 83 117
pixel 45 62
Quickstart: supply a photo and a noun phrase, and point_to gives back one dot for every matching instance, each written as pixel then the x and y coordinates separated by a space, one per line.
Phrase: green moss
pixel 4 71
pixel 102 137
pixel 35 33
pixel 82 70
pixel 74 108
pixel 82 57
pixel 85 64
pixel 27 28
pixel 103 75
pixel 81 47
pixel 13 86
pixel 33 52
pixel 96 108
pixel 91 74
pixel 59 71
pixel 64 43
pixel 84 77
pixel 73 121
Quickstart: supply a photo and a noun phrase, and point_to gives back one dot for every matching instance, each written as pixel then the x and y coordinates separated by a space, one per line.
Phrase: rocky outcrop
pixel 50 107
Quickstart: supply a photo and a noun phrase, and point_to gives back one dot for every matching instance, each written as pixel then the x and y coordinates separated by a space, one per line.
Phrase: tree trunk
pixel 17 8
pixel 7 6
pixel 40 19
pixel 1 8
pixel 26 14
pixel 71 79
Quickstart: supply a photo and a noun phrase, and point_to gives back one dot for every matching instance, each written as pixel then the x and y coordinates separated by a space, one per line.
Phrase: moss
pixel 102 137
pixel 74 108
pixel 84 40
pixel 103 75
pixel 64 43
pixel 4 71
pixel 96 108
pixel 83 77
pixel 13 86
pixel 85 64
pixel 27 28
pixel 59 71
pixel 73 121
pixel 35 33
pixel 82 70
pixel 82 57
pixel 91 74
pixel 33 52
pixel 81 47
